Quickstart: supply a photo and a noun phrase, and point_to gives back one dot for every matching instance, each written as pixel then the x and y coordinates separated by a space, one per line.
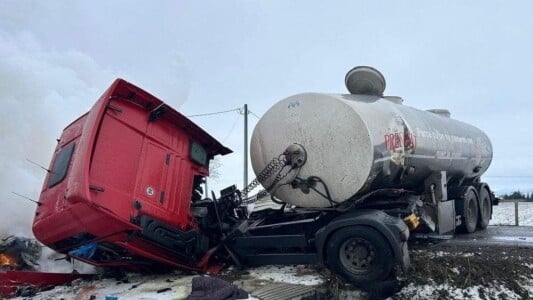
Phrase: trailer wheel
pixel 359 254
pixel 468 208
pixel 485 208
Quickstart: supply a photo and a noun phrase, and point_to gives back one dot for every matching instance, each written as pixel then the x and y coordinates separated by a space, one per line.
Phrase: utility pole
pixel 245 177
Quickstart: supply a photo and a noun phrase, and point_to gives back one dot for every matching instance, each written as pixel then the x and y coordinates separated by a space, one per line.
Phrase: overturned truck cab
pixel 125 187
pixel 122 179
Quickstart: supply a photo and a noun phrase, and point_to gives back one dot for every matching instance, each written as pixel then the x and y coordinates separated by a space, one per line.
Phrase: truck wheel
pixel 468 208
pixel 485 208
pixel 359 254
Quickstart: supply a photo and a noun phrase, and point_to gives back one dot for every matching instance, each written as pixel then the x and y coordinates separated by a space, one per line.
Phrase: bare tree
pixel 214 168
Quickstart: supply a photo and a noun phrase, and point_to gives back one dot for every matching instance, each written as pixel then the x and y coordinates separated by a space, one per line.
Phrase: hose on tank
pixel 309 184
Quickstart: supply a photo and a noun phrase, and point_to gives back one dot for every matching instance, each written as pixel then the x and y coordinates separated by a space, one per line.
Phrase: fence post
pixel 516 212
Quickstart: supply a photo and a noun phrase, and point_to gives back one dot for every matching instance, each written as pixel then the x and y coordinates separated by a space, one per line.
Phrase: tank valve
pixel 295 155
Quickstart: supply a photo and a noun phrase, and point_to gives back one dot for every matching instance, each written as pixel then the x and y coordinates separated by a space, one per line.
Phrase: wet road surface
pixel 518 236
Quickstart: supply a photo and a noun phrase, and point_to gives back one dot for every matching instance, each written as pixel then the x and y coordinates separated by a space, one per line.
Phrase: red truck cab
pixel 122 179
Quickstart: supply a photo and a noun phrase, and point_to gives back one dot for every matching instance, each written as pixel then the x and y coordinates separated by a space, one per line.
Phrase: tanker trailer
pixel 356 144
pixel 356 174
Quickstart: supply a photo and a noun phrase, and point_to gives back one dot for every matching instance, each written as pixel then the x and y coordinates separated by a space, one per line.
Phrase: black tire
pixel 467 207
pixel 360 254
pixel 485 208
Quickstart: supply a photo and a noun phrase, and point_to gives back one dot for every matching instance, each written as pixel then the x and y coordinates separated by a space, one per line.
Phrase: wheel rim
pixel 472 210
pixel 357 255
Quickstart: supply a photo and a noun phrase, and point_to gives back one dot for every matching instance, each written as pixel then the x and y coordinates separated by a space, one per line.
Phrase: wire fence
pixel 517 212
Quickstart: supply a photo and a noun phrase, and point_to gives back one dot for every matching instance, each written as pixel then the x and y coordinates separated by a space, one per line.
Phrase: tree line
pixel 518 196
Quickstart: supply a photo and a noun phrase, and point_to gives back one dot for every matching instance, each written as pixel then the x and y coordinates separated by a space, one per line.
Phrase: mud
pixel 451 272
pixel 463 267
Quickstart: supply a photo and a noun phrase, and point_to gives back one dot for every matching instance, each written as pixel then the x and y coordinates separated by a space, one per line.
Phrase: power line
pixel 253 114
pixel 508 176
pixel 237 117
pixel 214 113
pixel 240 110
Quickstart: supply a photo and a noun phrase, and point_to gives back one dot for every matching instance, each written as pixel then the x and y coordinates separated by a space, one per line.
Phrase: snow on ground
pixel 138 287
pixel 418 292
pixel 178 286
pixel 504 214
pixel 528 286
pixel 442 253
pixel 468 272
pixel 147 286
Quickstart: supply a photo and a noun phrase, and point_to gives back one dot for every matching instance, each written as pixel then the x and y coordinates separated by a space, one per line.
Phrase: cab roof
pixel 158 109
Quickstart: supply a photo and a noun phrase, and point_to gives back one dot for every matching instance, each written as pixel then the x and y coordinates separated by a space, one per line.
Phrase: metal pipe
pixel 516 212
pixel 245 177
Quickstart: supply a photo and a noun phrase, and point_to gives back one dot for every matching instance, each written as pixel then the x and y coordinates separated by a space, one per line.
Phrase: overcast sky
pixel 57 57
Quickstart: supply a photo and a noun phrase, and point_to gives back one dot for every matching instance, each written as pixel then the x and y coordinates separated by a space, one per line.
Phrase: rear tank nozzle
pixel 295 155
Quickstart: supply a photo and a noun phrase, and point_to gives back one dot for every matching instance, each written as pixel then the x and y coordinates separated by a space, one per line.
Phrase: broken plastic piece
pixel 85 251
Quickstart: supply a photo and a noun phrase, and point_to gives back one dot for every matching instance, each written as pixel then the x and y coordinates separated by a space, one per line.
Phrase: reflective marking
pixel 382 159
pixel 420 156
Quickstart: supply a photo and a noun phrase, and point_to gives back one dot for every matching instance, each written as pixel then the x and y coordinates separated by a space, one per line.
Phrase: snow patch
pixel 473 292
pixel 528 286
pixel 504 214
pixel 138 287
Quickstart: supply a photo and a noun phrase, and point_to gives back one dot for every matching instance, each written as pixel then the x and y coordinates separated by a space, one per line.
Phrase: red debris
pixel 10 281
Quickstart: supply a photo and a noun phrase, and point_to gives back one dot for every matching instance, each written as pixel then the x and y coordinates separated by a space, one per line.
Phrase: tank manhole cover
pixel 284 291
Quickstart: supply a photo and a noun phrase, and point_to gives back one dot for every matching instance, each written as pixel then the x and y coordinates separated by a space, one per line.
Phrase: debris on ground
pixel 212 288
pixel 439 271
pixel 19 253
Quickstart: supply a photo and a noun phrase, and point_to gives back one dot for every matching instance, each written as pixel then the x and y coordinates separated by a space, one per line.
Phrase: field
pixel 504 214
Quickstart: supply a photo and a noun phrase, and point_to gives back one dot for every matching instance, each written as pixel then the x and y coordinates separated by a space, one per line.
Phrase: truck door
pixel 152 191
pixel 164 180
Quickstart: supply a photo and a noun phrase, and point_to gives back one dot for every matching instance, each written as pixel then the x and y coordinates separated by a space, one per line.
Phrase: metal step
pixel 284 291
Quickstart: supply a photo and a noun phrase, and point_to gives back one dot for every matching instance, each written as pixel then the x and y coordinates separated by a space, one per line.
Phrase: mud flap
pixel 406 260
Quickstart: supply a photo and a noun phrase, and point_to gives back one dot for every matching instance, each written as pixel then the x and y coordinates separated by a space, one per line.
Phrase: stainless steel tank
pixel 357 143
